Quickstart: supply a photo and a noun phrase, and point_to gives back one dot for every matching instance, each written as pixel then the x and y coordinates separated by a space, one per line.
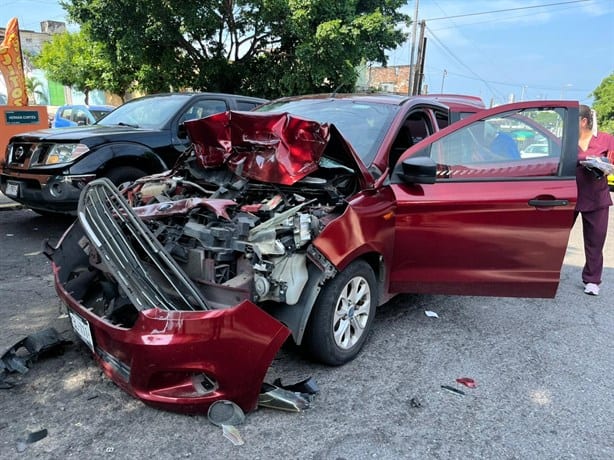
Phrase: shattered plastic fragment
pixel 431 314
pixel 33 437
pixel 415 402
pixel 232 433
pixel 453 390
pixel 468 382
pixel 36 436
pixel 307 386
pixel 40 344
pixel 275 397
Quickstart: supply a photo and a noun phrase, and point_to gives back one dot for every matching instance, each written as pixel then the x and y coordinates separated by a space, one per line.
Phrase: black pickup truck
pixel 46 170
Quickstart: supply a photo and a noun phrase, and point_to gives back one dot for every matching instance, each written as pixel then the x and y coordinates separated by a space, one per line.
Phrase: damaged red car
pixel 297 221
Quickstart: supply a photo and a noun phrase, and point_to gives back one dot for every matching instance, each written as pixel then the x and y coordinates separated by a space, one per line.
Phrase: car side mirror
pixel 418 170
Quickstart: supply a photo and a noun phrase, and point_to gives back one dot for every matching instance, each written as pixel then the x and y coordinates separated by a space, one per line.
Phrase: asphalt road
pixel 543 368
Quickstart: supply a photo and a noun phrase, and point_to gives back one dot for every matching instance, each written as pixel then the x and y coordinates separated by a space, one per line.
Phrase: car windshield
pixel 363 123
pixel 148 112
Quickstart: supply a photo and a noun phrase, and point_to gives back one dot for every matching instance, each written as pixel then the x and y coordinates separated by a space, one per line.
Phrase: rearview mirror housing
pixel 418 170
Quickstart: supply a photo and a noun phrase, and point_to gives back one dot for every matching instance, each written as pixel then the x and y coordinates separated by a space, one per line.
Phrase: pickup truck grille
pixel 26 153
pixel 145 271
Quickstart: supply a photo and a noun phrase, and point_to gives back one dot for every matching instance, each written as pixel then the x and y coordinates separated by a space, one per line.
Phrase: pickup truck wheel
pixel 124 174
pixel 342 315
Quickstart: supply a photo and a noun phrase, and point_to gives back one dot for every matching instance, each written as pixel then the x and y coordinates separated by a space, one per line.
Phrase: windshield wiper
pixel 121 123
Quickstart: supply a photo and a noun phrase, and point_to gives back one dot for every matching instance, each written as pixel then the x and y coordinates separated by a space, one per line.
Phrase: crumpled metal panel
pixel 278 148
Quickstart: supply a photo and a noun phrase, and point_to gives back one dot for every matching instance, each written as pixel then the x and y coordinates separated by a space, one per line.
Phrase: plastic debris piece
pixel 307 386
pixel 33 437
pixel 38 345
pixel 274 397
pixel 415 402
pixel 468 382
pixel 232 433
pixel 224 412
pixel 431 314
pixel 453 390
pixel 36 436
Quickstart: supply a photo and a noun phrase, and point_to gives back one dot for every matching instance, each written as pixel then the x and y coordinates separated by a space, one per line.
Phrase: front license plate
pixel 12 189
pixel 82 329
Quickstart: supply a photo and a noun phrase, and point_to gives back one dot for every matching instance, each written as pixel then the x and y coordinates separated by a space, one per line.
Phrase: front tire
pixel 342 315
pixel 123 174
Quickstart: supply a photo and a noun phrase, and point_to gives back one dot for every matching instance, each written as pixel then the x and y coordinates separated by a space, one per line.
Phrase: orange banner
pixel 11 66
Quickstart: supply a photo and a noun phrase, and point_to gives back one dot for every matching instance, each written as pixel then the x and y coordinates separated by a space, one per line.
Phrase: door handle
pixel 547 203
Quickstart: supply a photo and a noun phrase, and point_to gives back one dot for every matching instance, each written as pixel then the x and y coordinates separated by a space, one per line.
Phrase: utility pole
pixel 419 73
pixel 410 83
pixel 443 78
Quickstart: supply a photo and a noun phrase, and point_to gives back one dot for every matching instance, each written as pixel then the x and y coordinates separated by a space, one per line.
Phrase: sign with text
pixel 21 117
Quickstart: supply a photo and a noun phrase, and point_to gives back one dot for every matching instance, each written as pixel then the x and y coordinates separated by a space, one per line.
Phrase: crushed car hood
pixel 270 147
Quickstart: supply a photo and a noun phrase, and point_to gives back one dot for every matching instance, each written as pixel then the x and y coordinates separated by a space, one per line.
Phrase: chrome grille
pixel 20 153
pixel 149 276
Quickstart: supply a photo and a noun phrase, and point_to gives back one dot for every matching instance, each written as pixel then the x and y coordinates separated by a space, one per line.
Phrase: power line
pixel 507 9
pixel 469 69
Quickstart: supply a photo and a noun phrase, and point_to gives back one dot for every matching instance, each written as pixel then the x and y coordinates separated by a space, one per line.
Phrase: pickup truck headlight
pixel 65 153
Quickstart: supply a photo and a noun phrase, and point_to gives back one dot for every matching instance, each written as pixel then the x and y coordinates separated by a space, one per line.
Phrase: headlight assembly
pixel 65 153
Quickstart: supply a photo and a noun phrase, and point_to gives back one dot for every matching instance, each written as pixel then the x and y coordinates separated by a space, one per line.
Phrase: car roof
pixel 454 102
pixel 195 94
pixel 93 106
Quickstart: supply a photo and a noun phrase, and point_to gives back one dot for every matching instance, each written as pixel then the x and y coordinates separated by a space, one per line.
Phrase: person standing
pixel 593 198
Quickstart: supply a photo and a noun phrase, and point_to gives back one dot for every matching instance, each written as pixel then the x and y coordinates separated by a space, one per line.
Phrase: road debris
pixel 468 382
pixel 431 314
pixel 453 390
pixel 40 344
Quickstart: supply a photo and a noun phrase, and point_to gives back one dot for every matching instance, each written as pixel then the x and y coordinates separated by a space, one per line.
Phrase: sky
pixel 500 50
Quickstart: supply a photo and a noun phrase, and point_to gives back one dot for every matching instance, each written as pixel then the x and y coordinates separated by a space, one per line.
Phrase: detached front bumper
pixel 185 360
pixel 147 323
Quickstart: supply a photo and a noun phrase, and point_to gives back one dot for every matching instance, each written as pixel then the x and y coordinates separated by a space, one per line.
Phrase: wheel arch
pixel 296 317
pixel 114 155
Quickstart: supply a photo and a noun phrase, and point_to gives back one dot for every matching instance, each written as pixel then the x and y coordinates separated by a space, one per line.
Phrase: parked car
pixel 79 115
pixel 534 151
pixel 298 220
pixel 46 170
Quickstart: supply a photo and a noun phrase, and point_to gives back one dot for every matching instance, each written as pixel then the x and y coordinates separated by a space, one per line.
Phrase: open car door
pixel 476 215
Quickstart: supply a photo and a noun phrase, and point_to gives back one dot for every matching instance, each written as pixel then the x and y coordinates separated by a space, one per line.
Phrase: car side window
pixel 66 113
pixel 247 105
pixel 416 127
pixel 496 147
pixel 203 108
pixel 80 117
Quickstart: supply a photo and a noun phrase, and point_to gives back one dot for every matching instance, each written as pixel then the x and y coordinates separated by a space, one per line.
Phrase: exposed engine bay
pixel 199 238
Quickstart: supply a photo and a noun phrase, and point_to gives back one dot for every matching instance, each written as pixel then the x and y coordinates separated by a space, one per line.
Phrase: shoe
pixel 591 289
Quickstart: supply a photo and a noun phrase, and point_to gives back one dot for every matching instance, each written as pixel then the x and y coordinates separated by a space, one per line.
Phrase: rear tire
pixel 342 315
pixel 123 174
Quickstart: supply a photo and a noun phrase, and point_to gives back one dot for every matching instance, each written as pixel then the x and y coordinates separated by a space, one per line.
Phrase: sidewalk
pixel 6 204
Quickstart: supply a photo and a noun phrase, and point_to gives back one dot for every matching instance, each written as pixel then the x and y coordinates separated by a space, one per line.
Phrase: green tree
pixel 604 104
pixel 262 47
pixel 75 60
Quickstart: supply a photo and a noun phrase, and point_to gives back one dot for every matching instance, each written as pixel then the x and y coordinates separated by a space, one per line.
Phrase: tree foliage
pixel 75 60
pixel 262 47
pixel 604 104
